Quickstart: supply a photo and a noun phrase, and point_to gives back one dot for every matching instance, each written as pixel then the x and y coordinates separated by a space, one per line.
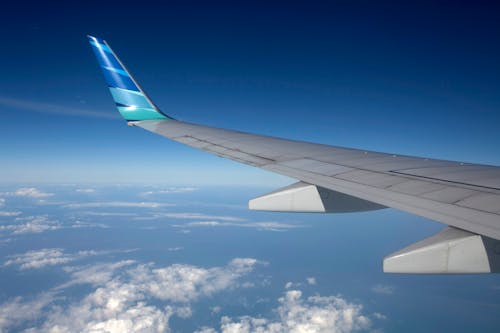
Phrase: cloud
pixel 126 297
pixel 207 330
pixel 85 190
pixel 203 224
pixel 267 226
pixel 191 216
pixel 130 297
pixel 2 202
pixel 290 285
pixel 311 281
pixel 169 190
pixel 31 225
pixel 117 204
pixel 104 214
pixel 41 223
pixel 30 192
pixel 318 314
pixel 185 283
pixel 81 224
pixel 383 289
pixel 97 274
pixel 4 213
pixel 37 259
pixel 379 316
pixel 215 310
pixel 18 309
pixel 53 109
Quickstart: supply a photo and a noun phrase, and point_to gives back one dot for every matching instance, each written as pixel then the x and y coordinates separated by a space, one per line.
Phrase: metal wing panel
pixel 416 185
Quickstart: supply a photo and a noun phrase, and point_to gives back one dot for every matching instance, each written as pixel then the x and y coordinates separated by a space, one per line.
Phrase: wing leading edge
pixel 463 195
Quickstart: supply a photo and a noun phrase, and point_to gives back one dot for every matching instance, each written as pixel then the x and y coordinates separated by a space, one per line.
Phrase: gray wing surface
pixel 463 195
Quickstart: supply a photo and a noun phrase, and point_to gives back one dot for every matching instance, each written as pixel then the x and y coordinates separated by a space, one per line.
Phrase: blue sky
pixel 419 79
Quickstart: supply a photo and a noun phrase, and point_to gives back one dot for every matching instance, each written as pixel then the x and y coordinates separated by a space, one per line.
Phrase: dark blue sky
pixel 419 79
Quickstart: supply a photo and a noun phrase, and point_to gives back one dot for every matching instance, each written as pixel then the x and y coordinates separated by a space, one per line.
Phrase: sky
pixel 109 228
pixel 415 78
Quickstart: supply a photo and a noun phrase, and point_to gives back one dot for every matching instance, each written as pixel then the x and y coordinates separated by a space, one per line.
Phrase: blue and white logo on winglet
pixel 131 101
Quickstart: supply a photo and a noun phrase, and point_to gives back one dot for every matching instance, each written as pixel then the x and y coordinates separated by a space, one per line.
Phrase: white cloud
pixel 95 275
pixel 267 226
pixel 117 204
pixel 206 220
pixel 18 310
pixel 131 297
pixel 81 224
pixel 311 281
pixel 31 225
pixel 38 259
pixel 49 257
pixel 383 289
pixel 41 223
pixel 379 316
pixel 185 283
pixel 31 192
pixel 248 284
pixel 85 190
pixel 169 191
pixel 105 214
pixel 2 202
pixel 203 224
pixel 206 330
pixel 315 314
pixel 4 213
pixel 215 310
pixel 191 216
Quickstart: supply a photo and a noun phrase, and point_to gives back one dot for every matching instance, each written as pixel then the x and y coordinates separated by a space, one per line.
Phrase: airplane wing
pixel 332 179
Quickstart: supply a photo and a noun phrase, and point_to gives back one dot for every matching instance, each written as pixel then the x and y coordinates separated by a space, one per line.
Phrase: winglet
pixel 131 101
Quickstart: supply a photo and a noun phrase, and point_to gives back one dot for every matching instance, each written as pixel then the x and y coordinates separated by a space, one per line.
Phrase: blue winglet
pixel 131 101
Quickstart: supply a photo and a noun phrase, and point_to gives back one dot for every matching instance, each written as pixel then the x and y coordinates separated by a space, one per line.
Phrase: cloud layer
pixel 30 192
pixel 37 259
pixel 295 314
pixel 127 296
pixel 117 204
pixel 31 225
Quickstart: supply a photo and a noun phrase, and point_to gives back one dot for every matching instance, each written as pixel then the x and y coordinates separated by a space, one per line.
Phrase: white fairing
pixel 299 197
pixel 307 198
pixel 450 251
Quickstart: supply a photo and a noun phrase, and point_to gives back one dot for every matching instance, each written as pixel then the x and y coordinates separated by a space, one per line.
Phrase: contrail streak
pixel 53 109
